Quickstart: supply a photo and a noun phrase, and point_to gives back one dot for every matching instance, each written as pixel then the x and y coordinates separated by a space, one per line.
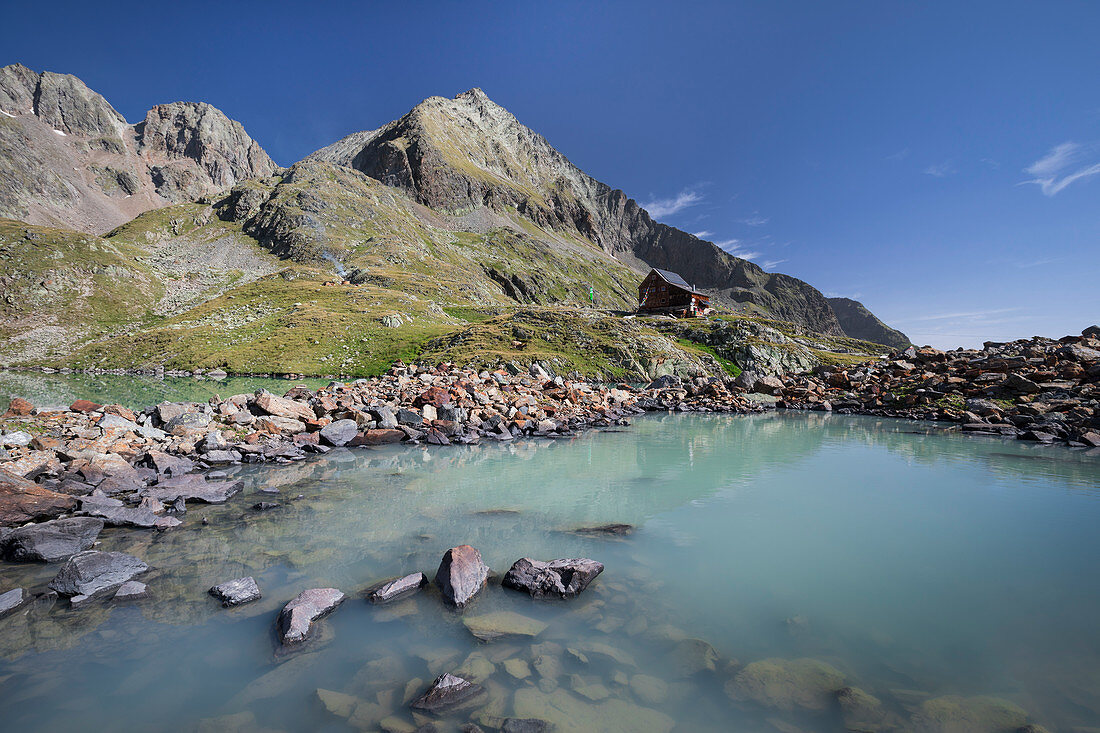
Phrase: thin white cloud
pixel 703 234
pixel 658 208
pixel 769 264
pixel 755 221
pixel 733 247
pixel 975 315
pixel 849 296
pixel 1052 172
pixel 941 170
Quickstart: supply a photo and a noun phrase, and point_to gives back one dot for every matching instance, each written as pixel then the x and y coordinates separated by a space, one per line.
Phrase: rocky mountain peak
pixel 860 323
pixel 469 152
pixel 61 101
pixel 68 158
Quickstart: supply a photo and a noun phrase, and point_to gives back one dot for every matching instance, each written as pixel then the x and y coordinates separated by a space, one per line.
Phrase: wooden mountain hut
pixel 666 292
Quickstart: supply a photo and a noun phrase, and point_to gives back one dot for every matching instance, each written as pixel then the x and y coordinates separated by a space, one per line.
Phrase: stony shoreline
pixel 138 468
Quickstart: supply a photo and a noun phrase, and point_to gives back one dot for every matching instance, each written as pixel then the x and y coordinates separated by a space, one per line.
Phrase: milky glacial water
pixel 918 564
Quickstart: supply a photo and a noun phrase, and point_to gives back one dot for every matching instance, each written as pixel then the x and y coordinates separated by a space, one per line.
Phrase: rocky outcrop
pixel 454 154
pixel 860 323
pixel 556 578
pixel 68 158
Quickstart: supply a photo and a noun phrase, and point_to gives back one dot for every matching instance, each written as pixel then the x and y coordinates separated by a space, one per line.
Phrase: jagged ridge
pixel 68 158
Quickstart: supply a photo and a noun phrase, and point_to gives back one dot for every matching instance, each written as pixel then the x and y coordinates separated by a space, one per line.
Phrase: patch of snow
pixel 60 133
pixel 2 112
pixel 128 195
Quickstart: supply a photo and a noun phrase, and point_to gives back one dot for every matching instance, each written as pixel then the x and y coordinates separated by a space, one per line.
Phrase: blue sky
pixel 938 161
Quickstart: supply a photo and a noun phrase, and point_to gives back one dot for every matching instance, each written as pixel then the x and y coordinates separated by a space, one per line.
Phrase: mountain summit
pixel 68 158
pixel 454 154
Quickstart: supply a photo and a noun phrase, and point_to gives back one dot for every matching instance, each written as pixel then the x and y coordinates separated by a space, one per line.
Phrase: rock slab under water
pixel 12 600
pixel 447 693
pixel 236 592
pixel 91 571
pixel 297 617
pixel 563 578
pixel 58 539
pixel 461 575
pixel 397 588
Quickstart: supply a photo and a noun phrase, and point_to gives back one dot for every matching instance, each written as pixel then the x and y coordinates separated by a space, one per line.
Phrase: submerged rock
pixel 525 725
pixel 397 588
pixel 58 539
pixel 860 710
pixel 297 617
pixel 461 575
pixel 498 624
pixel 787 684
pixel 954 714
pixel 448 693
pixel 692 656
pixel 194 488
pixel 236 592
pixel 611 530
pixel 91 571
pixel 563 578
pixel 568 714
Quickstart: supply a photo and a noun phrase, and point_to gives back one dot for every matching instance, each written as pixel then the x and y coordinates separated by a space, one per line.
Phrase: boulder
pixel 610 530
pixel 397 588
pixel 768 385
pixel 19 407
pixel 165 463
pixel 448 693
pixel 297 617
pixel 51 541
pixel 24 501
pixel 194 488
pixel 563 578
pixel 377 436
pixel 860 710
pixel 84 406
pixel 18 439
pixel 461 575
pixel 91 571
pixel 11 600
pixel 117 514
pixel 339 433
pixel 282 407
pixel 236 592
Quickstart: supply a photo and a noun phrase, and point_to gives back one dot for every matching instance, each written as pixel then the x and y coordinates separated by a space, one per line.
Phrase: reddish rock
pixel 120 411
pixel 84 406
pixel 461 575
pixel 282 407
pixel 24 501
pixel 19 407
pixel 434 396
pixel 377 436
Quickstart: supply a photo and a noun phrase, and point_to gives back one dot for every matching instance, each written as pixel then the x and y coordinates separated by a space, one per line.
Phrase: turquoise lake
pixel 928 569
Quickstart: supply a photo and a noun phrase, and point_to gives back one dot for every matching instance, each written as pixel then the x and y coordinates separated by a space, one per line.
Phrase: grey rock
pixel 448 693
pixel 131 590
pixel 11 600
pixel 525 725
pixel 297 617
pixel 115 513
pixel 397 588
pixel 461 575
pixel 166 463
pixel 186 422
pixel 18 439
pixel 91 571
pixel 338 433
pixel 194 488
pixel 564 578
pixel 236 592
pixel 50 541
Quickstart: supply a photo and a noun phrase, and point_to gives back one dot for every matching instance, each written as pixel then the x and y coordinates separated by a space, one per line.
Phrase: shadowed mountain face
pixel 468 152
pixel 860 323
pixel 67 158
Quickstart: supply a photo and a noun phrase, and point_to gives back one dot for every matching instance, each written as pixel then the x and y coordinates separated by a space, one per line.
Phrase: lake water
pixel 927 569
pixel 133 391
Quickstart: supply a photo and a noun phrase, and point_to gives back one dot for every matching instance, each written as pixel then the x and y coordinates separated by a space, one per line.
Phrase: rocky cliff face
pixel 860 323
pixel 468 152
pixel 68 158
